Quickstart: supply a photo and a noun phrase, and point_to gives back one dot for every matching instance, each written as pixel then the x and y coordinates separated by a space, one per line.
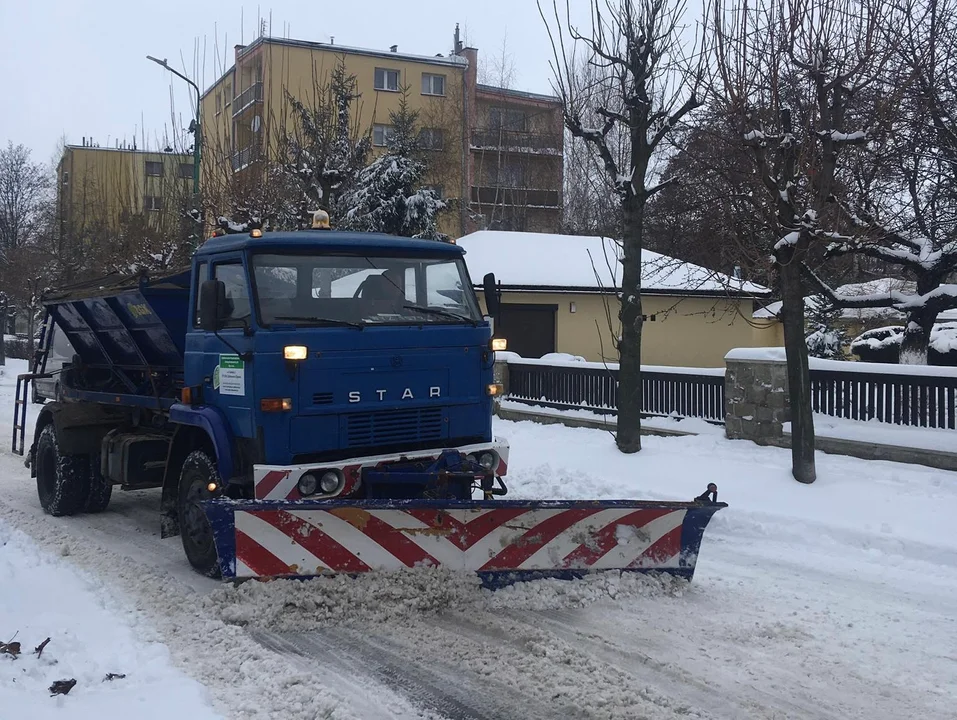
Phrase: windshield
pixel 361 290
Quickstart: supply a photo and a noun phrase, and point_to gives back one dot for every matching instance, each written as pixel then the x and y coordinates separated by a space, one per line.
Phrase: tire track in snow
pixel 345 655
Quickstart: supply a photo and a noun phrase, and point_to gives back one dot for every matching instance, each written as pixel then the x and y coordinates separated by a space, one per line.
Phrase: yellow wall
pixel 686 331
pixel 100 185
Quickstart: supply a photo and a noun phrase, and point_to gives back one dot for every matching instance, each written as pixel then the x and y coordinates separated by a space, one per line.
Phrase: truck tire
pixel 199 470
pixel 101 489
pixel 63 481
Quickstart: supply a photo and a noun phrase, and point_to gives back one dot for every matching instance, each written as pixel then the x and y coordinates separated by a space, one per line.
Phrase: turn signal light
pixel 255 233
pixel 186 396
pixel 494 389
pixel 275 404
pixel 295 352
pixel 499 344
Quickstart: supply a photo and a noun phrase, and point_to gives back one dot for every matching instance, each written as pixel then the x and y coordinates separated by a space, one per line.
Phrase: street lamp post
pixel 194 126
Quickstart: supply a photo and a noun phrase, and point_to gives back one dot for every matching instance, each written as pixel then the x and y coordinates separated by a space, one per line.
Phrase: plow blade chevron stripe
pixel 503 541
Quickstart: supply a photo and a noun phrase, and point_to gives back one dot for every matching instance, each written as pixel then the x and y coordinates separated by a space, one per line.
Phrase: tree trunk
pixel 3 344
pixel 914 344
pixel 629 374
pixel 799 382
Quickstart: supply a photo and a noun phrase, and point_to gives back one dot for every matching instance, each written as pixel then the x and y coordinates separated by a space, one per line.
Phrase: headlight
pixel 295 352
pixel 487 460
pixel 499 344
pixel 329 482
pixel 308 484
pixel 495 389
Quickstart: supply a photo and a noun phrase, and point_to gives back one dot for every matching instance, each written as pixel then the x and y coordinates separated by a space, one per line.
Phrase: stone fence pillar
pixel 756 395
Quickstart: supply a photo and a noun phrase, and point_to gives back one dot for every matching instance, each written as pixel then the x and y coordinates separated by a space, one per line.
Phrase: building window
pixel 386 79
pixel 509 175
pixel 66 177
pixel 437 189
pixel 433 84
pixel 382 135
pixel 186 171
pixel 431 139
pixel 219 103
pixel 152 203
pixel 154 169
pixel 229 93
pixel 507 119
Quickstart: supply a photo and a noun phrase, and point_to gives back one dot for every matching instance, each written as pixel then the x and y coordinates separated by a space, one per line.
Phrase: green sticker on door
pixel 230 375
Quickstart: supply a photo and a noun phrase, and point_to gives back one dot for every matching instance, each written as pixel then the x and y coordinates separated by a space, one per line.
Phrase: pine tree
pixel 327 148
pixel 825 336
pixel 387 196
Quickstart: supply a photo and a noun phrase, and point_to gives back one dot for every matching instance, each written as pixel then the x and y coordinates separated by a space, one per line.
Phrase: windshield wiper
pixel 321 320
pixel 443 313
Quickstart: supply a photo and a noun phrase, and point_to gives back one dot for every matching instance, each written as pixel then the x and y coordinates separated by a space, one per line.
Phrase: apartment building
pixel 494 154
pixel 515 162
pixel 101 186
pixel 247 112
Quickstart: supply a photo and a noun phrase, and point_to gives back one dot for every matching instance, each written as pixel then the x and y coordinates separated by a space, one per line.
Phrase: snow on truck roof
pixel 542 261
pixel 328 240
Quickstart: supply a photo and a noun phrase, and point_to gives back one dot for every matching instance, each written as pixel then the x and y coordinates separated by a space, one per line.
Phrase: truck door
pixel 230 378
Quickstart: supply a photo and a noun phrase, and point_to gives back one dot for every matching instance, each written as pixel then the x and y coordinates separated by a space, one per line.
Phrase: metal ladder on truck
pixel 37 372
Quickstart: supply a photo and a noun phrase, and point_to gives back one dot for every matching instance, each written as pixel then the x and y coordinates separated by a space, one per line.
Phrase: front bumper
pixel 279 482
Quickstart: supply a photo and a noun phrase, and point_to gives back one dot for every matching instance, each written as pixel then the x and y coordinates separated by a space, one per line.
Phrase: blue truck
pixel 313 402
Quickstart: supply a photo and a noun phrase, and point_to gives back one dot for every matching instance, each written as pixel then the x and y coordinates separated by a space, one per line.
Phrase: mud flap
pixel 504 541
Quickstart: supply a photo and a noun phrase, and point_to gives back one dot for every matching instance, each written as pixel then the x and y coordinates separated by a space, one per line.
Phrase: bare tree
pixel 24 187
pixel 904 210
pixel 643 87
pixel 787 72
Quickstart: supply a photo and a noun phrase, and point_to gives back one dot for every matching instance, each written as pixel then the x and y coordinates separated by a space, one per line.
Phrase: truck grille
pixel 390 427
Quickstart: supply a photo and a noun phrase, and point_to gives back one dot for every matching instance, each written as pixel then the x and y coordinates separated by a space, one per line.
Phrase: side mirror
pixel 491 294
pixel 212 305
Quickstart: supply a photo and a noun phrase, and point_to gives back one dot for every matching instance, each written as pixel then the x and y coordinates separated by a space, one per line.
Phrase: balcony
pixel 245 157
pixel 517 141
pixel 515 197
pixel 248 97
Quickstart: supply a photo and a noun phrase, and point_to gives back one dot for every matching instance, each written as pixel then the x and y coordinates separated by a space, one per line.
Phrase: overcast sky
pixel 77 68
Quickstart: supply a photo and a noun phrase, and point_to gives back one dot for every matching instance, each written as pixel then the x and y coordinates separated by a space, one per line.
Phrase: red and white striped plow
pixel 503 541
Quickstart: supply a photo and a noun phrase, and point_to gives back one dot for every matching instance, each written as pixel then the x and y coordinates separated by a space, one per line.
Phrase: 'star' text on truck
pixel 314 402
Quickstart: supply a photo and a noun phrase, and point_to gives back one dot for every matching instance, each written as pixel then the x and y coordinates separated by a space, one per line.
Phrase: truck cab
pixel 328 352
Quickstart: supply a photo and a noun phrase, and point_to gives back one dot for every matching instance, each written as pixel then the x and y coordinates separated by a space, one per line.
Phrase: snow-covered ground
pixel 834 600
pixel 92 640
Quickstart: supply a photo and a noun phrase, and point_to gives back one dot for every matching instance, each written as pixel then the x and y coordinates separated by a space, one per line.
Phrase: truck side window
pixel 201 274
pixel 237 292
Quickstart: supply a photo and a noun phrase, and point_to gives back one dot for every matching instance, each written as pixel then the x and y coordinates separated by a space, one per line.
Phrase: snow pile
pixel 90 637
pixel 401 597
pixel 585 262
pixel 883 344
pixel 881 433
pixel 559 357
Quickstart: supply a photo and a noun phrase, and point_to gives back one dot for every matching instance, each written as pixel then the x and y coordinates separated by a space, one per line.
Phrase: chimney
pixel 457 42
pixel 394 48
pixel 238 50
pixel 332 39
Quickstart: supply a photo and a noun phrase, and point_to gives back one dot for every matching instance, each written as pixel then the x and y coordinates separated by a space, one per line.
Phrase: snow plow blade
pixel 504 541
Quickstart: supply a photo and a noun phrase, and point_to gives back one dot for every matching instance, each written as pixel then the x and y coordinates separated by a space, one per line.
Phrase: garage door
pixel 529 329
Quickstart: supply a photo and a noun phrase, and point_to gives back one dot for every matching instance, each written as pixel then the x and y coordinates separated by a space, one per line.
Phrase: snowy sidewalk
pixel 91 636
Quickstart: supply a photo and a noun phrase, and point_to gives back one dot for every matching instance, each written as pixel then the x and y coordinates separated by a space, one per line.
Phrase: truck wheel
pixel 63 481
pixel 199 470
pixel 101 489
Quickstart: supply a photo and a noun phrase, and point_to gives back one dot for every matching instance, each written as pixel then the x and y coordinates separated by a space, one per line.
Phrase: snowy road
pixel 836 600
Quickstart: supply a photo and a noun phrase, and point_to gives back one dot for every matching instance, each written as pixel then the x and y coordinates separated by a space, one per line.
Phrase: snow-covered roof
pixel 581 262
